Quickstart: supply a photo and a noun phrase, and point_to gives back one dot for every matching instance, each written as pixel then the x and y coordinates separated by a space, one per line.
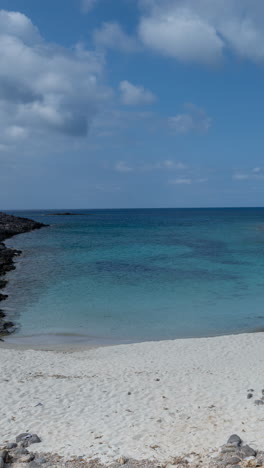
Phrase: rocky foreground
pixel 10 226
pixel 233 454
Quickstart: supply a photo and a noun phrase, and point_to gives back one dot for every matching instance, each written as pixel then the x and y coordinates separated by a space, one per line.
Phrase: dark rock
pixel 259 402
pixel 247 451
pixel 10 226
pixel 249 395
pixel 234 440
pixel 28 439
pixel 22 436
pixel 18 452
pixel 11 446
pixel 3 454
pixel 3 284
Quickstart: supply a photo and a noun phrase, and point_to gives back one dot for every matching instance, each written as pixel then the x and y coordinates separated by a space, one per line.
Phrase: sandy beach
pixel 153 400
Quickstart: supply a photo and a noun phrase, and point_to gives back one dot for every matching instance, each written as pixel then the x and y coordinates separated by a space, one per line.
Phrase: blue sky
pixel 131 103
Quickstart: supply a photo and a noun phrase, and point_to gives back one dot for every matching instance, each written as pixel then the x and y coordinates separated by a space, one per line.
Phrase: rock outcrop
pixel 10 226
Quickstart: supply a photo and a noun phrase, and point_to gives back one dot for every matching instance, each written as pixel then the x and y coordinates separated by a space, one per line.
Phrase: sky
pixel 131 103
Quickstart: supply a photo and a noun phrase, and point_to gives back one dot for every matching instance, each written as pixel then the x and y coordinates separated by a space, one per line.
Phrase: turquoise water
pixel 132 275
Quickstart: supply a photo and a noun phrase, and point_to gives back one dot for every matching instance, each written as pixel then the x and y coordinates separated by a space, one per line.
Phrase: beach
pixel 152 400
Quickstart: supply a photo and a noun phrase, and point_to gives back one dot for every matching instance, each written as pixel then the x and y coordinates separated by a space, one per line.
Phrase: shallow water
pixel 133 275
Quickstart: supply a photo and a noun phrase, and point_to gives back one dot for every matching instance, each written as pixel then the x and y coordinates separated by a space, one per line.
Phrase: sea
pixel 131 275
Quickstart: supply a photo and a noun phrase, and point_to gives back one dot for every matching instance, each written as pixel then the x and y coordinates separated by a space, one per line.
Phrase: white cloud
pixel 257 173
pixel 16 25
pixel 45 88
pixel 122 166
pixel 181 34
pixel 188 181
pixel 133 95
pixel 183 181
pixel 195 119
pixel 15 132
pixel 112 36
pixel 240 176
pixel 201 30
pixel 167 164
pixel 88 5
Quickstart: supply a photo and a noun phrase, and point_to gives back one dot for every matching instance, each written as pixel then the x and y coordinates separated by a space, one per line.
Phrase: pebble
pixel 249 395
pixel 19 452
pixel 22 436
pixel 234 440
pixel 259 402
pixel 122 460
pixel 247 451
pixel 40 460
pixel 233 461
pixel 11 446
pixel 26 439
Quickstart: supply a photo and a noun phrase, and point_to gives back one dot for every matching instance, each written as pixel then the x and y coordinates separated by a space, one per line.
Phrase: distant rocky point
pixel 10 226
pixel 67 213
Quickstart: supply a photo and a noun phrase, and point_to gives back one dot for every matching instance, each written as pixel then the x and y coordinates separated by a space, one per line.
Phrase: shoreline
pixel 144 401
pixel 10 226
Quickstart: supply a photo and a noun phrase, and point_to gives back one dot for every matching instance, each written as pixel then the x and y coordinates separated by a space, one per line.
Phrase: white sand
pixel 199 400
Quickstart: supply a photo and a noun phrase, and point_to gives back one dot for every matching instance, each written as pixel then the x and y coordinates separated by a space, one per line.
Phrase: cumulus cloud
pixel 200 30
pixel 43 87
pixel 112 36
pixel 133 95
pixel 181 34
pixel 194 119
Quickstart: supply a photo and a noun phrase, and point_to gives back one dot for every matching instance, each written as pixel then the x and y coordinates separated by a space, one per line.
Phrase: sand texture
pixel 144 401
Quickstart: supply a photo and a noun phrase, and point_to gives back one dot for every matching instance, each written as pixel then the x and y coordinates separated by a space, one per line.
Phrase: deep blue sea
pixel 133 275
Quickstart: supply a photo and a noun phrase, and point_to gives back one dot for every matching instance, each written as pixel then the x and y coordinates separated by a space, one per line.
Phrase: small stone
pixel 262 391
pixel 249 395
pixel 129 393
pixel 233 461
pixel 19 452
pixel 22 436
pixel 234 440
pixel 247 451
pixel 259 402
pixel 40 461
pixel 29 439
pixel 122 460
pixel 2 463
pixel 11 445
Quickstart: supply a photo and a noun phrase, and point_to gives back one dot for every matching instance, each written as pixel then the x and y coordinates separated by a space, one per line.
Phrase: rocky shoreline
pixel 10 226
pixel 233 454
